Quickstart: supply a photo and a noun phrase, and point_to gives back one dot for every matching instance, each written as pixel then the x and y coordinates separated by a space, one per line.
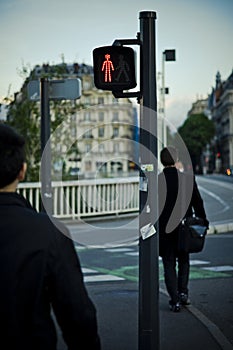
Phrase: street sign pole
pixel 46 186
pixel 106 78
pixel 44 91
pixel 149 338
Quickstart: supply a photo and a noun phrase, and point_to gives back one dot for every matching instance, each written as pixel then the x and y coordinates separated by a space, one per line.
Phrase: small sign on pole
pixel 65 89
pixel 62 89
pixel 44 91
pixel 33 90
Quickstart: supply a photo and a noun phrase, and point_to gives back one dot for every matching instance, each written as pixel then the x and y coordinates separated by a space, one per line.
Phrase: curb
pixel 214 228
pixel 213 329
pixel 220 228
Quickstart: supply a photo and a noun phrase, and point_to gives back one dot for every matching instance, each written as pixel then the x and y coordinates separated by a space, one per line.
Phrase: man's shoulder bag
pixel 192 234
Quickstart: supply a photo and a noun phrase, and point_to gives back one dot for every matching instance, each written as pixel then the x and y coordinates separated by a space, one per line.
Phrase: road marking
pixel 102 278
pixel 219 268
pixel 227 185
pixel 199 262
pixel 217 198
pixel 197 271
pixel 133 254
pixel 79 248
pixel 130 273
pixel 118 250
pixel 86 270
pixel 91 275
pixel 202 273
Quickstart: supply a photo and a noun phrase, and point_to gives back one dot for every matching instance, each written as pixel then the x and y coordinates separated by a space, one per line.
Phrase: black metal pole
pixel 149 338
pixel 46 186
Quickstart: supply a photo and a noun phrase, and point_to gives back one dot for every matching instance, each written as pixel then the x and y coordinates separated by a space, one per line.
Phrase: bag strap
pixel 183 184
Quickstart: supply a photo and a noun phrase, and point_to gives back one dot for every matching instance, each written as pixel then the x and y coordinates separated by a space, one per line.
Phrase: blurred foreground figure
pixel 39 269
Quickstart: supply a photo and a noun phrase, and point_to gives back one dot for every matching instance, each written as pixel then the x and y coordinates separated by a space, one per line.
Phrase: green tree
pixel 197 131
pixel 24 116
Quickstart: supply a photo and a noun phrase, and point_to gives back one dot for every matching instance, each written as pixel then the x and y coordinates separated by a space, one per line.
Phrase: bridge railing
pixel 87 198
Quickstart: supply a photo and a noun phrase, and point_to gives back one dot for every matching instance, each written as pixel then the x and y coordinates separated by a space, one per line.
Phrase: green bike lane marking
pixel 130 273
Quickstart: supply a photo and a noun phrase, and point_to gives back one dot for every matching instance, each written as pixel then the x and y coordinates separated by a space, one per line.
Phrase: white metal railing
pixel 86 198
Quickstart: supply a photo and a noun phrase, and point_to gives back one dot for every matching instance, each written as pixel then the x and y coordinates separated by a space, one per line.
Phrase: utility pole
pixel 105 56
pixel 46 185
pixel 149 338
pixel 44 91
pixel 164 129
pixel 168 55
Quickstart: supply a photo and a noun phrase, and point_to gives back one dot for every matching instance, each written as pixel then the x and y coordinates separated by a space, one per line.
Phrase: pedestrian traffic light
pixel 114 68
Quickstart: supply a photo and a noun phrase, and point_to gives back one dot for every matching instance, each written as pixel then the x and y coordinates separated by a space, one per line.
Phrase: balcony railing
pixel 87 198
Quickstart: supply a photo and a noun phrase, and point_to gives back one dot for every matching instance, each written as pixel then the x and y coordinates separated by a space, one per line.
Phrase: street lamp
pixel 168 55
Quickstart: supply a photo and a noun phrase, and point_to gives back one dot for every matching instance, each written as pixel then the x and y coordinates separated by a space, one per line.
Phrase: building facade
pixel 221 106
pixel 101 129
pixel 3 110
pixel 200 106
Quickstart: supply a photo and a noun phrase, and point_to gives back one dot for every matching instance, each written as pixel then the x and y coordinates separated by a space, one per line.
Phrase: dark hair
pixel 12 154
pixel 168 156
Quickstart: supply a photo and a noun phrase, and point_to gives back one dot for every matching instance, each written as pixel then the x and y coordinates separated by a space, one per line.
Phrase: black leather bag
pixel 192 234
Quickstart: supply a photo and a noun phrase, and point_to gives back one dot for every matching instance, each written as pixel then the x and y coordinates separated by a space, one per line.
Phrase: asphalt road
pixel 108 250
pixel 217 194
pixel 111 276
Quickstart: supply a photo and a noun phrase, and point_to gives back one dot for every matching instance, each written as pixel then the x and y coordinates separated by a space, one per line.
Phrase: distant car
pixel 229 172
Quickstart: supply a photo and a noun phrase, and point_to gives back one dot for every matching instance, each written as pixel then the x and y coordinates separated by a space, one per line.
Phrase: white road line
pixel 217 198
pixel 91 275
pixel 218 183
pixel 86 270
pixel 102 278
pixel 199 262
pixel 133 254
pixel 118 250
pixel 219 268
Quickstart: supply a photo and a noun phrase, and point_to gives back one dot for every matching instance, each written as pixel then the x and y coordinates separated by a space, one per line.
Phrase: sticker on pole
pixel 147 231
pixel 147 167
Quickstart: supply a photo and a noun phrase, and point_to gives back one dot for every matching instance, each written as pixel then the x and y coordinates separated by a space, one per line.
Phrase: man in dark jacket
pixel 39 269
pixel 179 197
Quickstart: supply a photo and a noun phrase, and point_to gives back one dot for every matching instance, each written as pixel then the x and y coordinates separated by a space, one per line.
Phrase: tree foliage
pixel 24 116
pixel 196 132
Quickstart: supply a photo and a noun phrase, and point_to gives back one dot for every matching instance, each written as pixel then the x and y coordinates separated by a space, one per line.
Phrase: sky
pixel 201 31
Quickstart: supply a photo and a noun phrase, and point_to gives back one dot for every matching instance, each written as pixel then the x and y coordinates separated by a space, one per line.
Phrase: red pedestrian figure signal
pixel 114 68
pixel 107 67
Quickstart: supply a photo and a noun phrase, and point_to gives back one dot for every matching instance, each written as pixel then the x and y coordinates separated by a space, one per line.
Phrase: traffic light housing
pixel 170 55
pixel 114 68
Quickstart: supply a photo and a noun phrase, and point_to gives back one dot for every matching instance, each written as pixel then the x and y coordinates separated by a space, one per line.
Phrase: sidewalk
pixel 117 311
pixel 189 329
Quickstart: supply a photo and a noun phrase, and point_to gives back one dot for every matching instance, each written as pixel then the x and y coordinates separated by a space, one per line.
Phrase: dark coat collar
pixel 14 198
